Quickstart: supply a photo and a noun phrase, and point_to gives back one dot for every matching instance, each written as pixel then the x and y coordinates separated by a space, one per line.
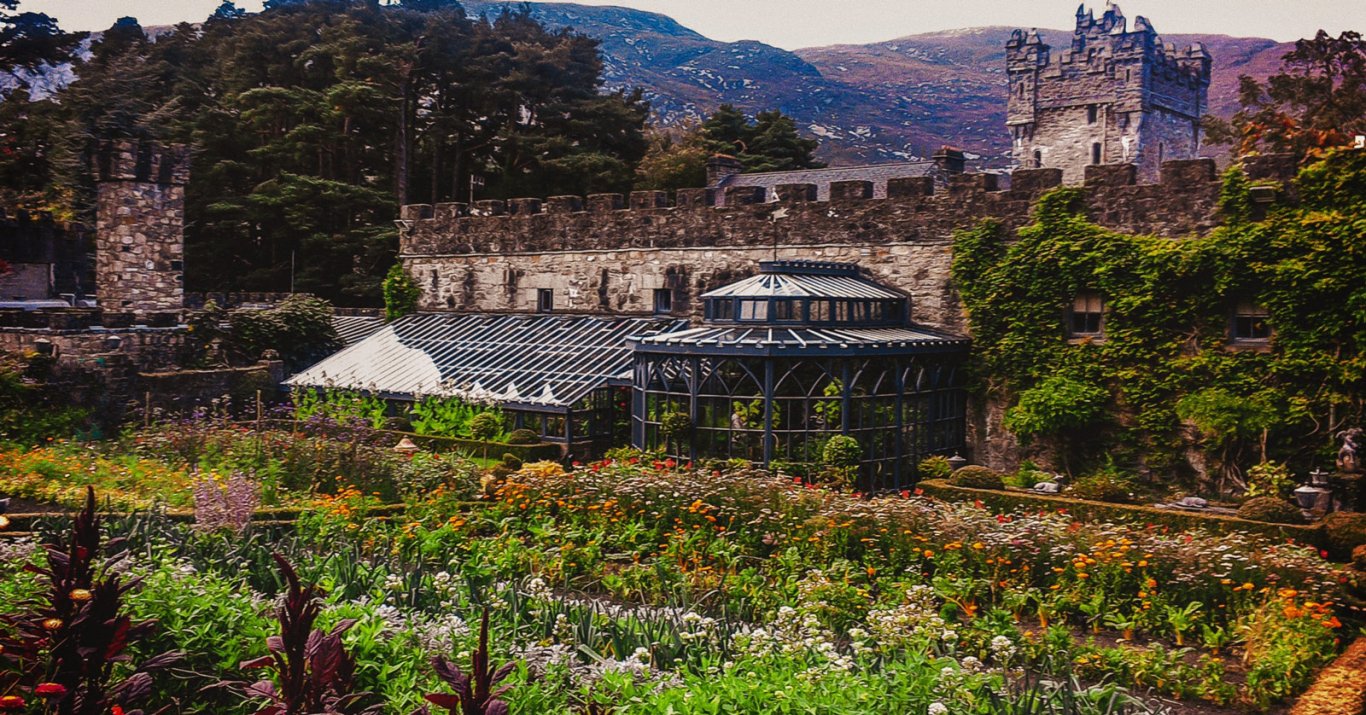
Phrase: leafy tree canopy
pixel 1316 102
pixel 313 120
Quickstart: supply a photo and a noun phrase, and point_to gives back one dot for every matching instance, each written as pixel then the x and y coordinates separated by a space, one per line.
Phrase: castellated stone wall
pixel 139 231
pixel 599 257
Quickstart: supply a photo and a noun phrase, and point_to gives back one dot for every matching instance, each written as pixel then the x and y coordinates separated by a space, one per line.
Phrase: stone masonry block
pixel 910 186
pixel 1035 180
pixel 649 199
pixel 1187 172
pixel 524 207
pixel 604 203
pixel 449 211
pixel 1111 175
pixel 972 182
pixel 563 204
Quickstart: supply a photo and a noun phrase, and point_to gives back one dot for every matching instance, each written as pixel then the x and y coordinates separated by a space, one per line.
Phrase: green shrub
pixel 1345 531
pixel 523 436
pixel 935 467
pixel 1359 558
pixel 299 328
pixel 401 293
pixel 976 477
pixel 1104 486
pixel 1028 475
pixel 1273 510
pixel 512 461
pixel 1269 479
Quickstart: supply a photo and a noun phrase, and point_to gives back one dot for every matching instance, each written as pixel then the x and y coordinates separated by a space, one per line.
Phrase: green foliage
pixel 448 416
pixel 313 121
pixel 841 451
pixel 1106 485
pixel 299 329
pixel 1164 356
pixel 1057 405
pixel 977 477
pixel 401 293
pixel 340 405
pixel 1270 479
pixel 934 467
pixel 32 413
pixel 485 426
pixel 1271 509
pixel 523 436
pixel 769 142
pixel 675 424
pixel 1317 101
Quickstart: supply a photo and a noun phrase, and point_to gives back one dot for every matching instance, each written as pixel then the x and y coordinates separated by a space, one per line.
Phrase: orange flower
pixel 11 702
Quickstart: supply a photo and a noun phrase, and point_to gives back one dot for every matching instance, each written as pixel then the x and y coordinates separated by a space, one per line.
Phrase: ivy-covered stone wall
pixel 1164 389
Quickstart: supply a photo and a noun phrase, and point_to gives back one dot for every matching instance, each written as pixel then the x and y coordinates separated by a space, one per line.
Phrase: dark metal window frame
pixel 1086 323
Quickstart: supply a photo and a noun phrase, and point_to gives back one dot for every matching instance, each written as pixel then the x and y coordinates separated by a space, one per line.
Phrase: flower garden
pixel 623 586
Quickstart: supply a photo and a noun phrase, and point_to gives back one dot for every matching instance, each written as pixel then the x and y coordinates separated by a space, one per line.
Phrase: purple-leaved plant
pixel 227 506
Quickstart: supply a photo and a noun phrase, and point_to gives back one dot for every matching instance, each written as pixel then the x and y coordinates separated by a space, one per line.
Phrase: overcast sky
pixel 805 23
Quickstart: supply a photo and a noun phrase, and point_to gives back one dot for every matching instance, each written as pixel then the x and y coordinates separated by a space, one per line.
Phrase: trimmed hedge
pixel 1340 688
pixel 544 451
pixel 977 477
pixel 1013 499
pixel 1270 509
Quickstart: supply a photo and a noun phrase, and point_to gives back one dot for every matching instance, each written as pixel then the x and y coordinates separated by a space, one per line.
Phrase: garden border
pixel 539 451
pixel 1087 510
pixel 1340 688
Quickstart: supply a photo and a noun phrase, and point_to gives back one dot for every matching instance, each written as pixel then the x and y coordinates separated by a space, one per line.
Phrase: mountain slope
pixel 878 102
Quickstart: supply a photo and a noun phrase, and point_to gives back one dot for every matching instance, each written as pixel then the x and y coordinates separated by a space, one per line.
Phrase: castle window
pixel 545 300
pixel 1095 153
pixel 1087 317
pixel 1249 324
pixel 664 301
pixel 1092 113
pixel 1038 159
pixel 1019 90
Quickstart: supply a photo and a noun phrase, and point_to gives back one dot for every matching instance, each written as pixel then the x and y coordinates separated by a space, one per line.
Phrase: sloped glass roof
pixel 534 360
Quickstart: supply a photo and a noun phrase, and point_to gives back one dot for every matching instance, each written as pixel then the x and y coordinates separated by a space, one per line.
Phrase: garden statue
pixel 1349 455
pixel 1048 488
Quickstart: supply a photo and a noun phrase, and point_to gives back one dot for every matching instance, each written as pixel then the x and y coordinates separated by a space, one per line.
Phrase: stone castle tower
pixel 140 227
pixel 1115 96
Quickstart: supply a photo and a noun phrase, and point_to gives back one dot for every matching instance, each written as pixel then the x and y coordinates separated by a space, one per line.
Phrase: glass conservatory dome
pixel 793 356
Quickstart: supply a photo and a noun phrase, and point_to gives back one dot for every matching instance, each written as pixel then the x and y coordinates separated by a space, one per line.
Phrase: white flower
pixel 938 708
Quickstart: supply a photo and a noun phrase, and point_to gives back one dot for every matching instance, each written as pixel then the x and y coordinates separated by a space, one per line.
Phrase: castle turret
pixel 1114 96
pixel 140 227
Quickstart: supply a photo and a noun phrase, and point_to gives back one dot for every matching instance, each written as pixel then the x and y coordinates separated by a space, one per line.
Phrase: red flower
pixel 116 710
pixel 905 494
pixel 919 492
pixel 1323 553
pixel 11 702
pixel 50 690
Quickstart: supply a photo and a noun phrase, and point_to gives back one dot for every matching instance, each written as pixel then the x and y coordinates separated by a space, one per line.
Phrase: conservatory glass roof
pixel 533 360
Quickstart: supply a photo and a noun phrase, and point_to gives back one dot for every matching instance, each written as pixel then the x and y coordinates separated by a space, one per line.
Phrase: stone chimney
pixel 949 160
pixel 140 227
pixel 721 166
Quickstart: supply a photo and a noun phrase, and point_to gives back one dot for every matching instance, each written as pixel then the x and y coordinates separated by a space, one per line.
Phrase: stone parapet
pixel 1183 202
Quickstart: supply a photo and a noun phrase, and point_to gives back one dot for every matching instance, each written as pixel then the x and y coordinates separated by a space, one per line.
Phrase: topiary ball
pixel 523 436
pixel 1273 510
pixel 977 477
pixel 1359 558
pixel 512 461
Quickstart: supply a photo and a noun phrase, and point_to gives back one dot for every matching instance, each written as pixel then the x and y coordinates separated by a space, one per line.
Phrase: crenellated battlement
pixel 146 162
pixel 1182 202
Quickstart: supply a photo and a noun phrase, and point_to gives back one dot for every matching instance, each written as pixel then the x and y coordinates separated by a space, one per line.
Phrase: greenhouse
pixel 789 358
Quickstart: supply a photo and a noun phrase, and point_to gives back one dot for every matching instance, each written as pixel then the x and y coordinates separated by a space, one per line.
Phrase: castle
pixel 1114 96
pixel 1116 114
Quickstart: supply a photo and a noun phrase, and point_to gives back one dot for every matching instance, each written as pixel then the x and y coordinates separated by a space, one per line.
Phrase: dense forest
pixel 314 120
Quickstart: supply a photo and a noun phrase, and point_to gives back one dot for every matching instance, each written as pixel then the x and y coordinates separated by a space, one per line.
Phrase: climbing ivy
pixel 1167 308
